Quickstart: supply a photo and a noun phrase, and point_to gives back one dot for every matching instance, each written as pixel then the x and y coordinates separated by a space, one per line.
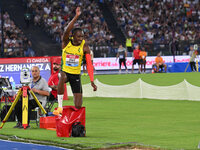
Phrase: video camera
pixel 25 77
pixel 4 83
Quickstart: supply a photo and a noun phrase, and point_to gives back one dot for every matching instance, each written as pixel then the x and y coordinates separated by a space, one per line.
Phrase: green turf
pixel 156 78
pixel 155 123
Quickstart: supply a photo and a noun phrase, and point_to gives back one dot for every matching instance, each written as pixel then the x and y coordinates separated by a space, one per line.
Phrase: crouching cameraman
pixel 41 90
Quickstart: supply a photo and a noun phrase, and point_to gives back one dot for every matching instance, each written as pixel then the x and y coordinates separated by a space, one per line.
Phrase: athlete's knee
pixel 62 77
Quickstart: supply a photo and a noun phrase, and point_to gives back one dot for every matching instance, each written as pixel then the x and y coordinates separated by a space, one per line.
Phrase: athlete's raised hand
pixel 78 11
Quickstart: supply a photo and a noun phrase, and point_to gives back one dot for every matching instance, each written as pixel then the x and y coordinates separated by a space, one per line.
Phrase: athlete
pixel 159 63
pixel 136 57
pixel 122 54
pixel 143 55
pixel 73 50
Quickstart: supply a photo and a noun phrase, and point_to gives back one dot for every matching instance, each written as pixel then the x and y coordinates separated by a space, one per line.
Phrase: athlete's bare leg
pixel 120 67
pixel 165 67
pixel 141 66
pixel 78 100
pixel 144 67
pixel 62 80
pixel 132 68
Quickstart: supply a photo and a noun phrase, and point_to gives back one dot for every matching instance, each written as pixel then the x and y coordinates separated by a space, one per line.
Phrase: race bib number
pixel 72 60
pixel 121 56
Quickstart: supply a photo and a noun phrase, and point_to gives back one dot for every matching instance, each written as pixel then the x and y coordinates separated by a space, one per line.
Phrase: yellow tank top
pixel 72 58
pixel 128 42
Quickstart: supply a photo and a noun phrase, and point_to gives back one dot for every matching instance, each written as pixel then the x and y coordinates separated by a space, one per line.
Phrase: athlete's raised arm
pixel 65 38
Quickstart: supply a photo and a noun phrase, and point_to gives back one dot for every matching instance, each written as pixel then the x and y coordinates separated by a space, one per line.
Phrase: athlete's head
pixel 191 47
pixel 137 47
pixel 78 35
pixel 143 49
pixel 120 45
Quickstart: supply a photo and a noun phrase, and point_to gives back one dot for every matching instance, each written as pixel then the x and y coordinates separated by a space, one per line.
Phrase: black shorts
pixel 75 82
pixel 84 62
pixel 136 61
pixel 129 49
pixel 122 60
pixel 142 61
pixel 161 66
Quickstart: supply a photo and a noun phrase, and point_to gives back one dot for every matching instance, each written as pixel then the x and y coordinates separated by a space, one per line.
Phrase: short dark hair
pixel 76 30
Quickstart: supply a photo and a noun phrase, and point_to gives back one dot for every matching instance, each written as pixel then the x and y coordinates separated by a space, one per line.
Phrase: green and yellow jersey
pixel 72 58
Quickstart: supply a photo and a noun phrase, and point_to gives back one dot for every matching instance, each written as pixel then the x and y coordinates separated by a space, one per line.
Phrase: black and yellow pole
pixel 25 107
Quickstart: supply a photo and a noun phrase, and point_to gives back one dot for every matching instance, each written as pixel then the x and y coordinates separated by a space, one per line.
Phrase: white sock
pixel 60 100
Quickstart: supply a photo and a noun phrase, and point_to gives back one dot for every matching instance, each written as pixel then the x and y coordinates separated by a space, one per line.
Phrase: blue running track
pixel 10 145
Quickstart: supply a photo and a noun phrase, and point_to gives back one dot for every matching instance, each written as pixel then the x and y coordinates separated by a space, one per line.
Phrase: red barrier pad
pixel 69 116
pixel 48 122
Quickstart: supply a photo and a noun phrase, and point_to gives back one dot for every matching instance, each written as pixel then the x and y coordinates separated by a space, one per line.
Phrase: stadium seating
pixel 157 22
pixel 153 21
pixel 15 42
pixel 57 14
pixel 162 25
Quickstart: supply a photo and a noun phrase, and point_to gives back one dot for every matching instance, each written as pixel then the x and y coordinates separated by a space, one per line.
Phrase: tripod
pixel 24 93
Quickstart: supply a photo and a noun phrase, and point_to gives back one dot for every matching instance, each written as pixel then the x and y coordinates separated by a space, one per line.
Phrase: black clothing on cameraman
pixel 18 109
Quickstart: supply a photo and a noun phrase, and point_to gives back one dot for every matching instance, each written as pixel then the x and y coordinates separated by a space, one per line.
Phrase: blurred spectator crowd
pixel 54 15
pixel 145 21
pixel 159 21
pixel 15 42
